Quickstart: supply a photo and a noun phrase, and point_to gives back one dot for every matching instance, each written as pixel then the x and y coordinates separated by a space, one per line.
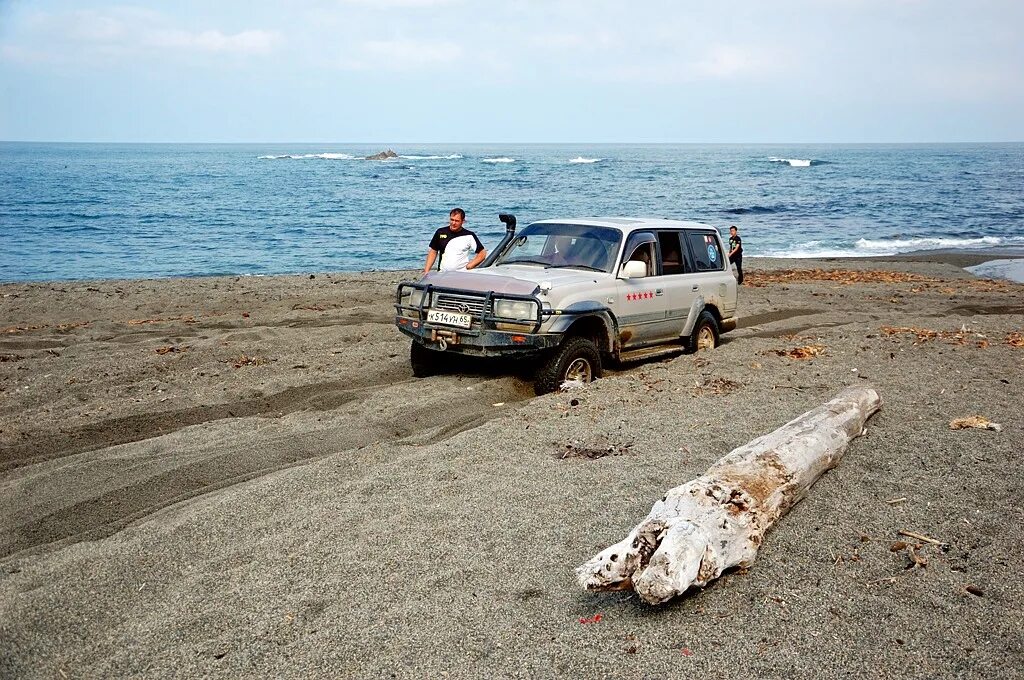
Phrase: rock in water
pixel 382 156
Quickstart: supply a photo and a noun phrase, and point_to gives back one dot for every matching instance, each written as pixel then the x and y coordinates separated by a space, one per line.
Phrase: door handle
pixel 696 288
pixel 657 291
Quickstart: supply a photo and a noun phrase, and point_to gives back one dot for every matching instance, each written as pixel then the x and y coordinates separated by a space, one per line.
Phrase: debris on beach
pixel 805 352
pixel 576 448
pixel 714 386
pixel 718 520
pixel 245 360
pixel 172 349
pixel 23 329
pixel 959 337
pixel 183 319
pixel 1015 340
pixel 976 422
pixel 841 276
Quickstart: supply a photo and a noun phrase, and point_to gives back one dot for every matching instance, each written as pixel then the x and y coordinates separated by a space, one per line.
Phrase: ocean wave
pixel 324 156
pixel 500 159
pixel 581 159
pixel 795 162
pixel 449 157
pixel 881 247
pixel 754 210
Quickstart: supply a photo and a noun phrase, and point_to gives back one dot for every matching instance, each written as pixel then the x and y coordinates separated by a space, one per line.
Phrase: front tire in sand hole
pixel 705 333
pixel 426 362
pixel 575 359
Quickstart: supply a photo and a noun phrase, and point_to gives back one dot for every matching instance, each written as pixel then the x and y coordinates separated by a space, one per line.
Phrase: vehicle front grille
pixel 465 304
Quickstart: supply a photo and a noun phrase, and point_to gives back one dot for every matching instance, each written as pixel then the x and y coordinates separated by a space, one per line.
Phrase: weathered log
pixel 718 520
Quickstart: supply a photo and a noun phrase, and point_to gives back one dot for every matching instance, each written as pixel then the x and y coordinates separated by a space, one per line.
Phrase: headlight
pixel 515 309
pixel 415 297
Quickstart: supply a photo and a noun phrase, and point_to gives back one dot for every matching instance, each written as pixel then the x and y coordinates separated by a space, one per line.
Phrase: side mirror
pixel 634 269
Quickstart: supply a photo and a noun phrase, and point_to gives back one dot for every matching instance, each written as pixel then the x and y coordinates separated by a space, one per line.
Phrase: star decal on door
pixel 642 295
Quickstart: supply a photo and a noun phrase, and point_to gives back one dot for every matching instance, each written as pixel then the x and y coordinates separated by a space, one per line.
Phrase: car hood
pixel 517 280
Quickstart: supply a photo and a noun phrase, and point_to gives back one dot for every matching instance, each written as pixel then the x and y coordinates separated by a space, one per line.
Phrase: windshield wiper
pixel 574 266
pixel 540 262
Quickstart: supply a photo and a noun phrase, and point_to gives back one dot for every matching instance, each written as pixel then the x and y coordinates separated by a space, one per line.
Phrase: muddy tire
pixel 425 362
pixel 705 333
pixel 575 359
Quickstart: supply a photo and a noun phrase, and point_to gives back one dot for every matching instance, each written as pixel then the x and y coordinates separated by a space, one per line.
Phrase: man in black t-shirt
pixel 736 253
pixel 459 247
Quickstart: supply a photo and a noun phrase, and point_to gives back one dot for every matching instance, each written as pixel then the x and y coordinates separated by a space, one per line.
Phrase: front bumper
pixel 489 335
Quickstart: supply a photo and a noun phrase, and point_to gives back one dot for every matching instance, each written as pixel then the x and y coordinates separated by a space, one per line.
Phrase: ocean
pixel 101 211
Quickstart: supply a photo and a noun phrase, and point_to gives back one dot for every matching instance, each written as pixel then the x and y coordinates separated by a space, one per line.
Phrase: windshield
pixel 574 246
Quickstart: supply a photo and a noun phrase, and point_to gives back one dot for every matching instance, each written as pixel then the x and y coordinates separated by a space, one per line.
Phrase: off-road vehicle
pixel 570 294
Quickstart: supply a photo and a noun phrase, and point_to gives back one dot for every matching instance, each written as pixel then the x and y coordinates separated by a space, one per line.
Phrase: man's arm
pixel 431 256
pixel 475 262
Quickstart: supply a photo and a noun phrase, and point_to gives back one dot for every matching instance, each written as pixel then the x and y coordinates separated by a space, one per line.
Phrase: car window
pixel 563 245
pixel 673 260
pixel 707 253
pixel 640 246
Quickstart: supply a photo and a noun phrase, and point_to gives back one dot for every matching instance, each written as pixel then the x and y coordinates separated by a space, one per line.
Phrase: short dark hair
pixel 733 226
pixel 458 211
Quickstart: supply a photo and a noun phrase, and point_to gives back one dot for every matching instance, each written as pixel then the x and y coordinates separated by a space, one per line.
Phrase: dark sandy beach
pixel 240 477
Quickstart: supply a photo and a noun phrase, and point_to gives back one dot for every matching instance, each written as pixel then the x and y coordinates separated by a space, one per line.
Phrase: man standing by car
pixel 458 247
pixel 736 253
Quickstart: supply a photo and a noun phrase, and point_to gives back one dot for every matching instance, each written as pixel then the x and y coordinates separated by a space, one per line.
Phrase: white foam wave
pixel 325 156
pixel 500 159
pixel 881 247
pixel 793 162
pixel 449 157
pixel 581 159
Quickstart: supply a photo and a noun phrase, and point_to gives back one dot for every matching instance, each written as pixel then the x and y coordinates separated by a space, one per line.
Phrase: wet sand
pixel 241 477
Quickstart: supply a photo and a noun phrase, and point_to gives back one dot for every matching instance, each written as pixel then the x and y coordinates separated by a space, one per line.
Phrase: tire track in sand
pixel 106 491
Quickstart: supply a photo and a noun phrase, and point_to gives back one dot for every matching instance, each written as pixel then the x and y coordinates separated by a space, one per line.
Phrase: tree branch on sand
pixel 718 520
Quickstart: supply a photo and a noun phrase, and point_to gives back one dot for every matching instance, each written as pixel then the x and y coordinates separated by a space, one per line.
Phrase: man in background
pixel 458 247
pixel 736 253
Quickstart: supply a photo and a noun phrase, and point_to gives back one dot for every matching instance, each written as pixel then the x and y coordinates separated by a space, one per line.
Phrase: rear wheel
pixel 425 362
pixel 575 359
pixel 705 333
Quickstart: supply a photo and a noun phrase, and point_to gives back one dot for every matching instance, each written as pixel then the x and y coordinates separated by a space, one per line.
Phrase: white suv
pixel 570 293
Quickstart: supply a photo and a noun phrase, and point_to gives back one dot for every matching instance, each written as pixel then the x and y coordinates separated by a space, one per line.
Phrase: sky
pixel 575 71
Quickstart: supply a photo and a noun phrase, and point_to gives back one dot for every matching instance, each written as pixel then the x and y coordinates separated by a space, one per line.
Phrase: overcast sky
pixel 394 71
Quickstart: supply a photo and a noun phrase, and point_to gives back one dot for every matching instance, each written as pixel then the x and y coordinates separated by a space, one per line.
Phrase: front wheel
pixel 705 333
pixel 576 359
pixel 425 362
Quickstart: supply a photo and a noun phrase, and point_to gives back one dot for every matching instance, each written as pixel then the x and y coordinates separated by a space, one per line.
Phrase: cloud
pixel 125 32
pixel 718 63
pixel 389 4
pixel 400 55
pixel 245 42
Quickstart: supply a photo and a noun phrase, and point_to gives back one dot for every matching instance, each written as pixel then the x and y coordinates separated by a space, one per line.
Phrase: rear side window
pixel 673 260
pixel 707 254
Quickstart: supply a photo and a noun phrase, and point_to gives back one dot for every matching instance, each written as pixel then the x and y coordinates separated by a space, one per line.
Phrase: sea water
pixel 89 211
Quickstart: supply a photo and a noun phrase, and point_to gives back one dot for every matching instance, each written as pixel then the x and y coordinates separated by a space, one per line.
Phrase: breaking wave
pixel 581 159
pixel 449 157
pixel 880 247
pixel 795 162
pixel 325 156
pixel 500 159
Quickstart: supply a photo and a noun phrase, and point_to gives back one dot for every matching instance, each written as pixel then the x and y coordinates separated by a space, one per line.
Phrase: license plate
pixel 449 318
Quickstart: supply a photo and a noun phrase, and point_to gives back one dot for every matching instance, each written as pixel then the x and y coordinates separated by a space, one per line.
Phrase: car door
pixel 710 277
pixel 641 303
pixel 679 287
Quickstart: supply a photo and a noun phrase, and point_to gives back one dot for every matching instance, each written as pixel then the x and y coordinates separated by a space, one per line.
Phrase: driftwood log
pixel 718 520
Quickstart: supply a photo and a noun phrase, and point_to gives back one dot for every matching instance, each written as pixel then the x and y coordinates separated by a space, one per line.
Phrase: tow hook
pixel 442 343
